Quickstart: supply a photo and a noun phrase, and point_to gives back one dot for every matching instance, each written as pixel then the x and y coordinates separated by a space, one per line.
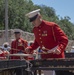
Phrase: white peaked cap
pixel 17 31
pixel 32 13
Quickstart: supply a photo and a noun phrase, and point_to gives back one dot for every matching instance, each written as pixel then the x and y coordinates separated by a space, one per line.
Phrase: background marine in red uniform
pixel 18 45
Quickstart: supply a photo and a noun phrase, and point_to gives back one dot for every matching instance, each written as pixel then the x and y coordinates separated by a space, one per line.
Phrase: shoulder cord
pixel 53 34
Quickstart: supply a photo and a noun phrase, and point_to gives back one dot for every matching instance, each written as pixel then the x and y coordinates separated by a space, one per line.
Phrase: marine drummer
pixel 18 45
pixel 49 36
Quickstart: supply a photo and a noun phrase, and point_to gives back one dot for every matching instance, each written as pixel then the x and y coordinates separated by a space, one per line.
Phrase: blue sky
pixel 62 7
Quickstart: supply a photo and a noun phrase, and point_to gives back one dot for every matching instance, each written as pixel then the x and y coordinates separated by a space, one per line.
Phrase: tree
pixel 16 16
pixel 67 26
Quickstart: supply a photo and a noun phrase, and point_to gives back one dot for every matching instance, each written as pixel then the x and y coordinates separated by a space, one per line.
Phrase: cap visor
pixel 33 18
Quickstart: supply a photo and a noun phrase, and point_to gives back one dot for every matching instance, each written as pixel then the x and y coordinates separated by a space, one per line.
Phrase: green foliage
pixel 2 14
pixel 67 26
pixel 16 16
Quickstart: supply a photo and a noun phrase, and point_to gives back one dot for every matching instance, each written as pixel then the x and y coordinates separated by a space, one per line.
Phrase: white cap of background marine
pixel 17 31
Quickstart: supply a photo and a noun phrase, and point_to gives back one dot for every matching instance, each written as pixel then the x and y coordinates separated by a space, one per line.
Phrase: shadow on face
pixel 37 21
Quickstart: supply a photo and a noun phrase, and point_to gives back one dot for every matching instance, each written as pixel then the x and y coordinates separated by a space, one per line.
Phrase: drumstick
pixel 43 52
pixel 43 48
pixel 48 51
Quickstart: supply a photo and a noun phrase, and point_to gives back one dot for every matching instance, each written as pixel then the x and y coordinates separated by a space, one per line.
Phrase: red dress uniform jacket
pixel 49 35
pixel 18 46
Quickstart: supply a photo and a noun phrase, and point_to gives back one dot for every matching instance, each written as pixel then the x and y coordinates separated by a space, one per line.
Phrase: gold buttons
pixel 39 30
pixel 40 37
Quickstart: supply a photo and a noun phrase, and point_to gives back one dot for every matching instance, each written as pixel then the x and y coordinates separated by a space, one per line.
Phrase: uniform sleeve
pixel 34 46
pixel 61 37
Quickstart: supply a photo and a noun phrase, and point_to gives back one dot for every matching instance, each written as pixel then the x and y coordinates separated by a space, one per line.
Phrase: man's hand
pixel 56 51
